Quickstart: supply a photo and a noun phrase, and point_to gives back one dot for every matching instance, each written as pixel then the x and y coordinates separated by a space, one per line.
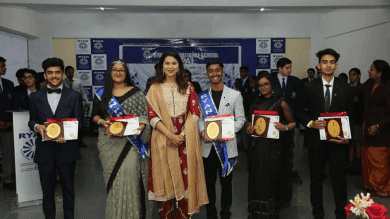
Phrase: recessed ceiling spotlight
pixel 262 9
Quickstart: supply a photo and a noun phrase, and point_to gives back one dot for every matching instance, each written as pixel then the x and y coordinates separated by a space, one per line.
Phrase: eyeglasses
pixel 116 71
pixel 29 78
pixel 263 85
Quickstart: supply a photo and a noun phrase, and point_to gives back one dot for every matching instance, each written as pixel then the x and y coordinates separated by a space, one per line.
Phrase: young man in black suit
pixel 310 76
pixel 6 135
pixel 289 87
pixel 325 95
pixel 55 101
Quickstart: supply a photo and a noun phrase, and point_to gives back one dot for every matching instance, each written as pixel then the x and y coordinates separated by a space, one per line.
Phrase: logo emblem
pixel 83 61
pixel 86 92
pixel 98 45
pixel 83 45
pixel 276 59
pixel 263 45
pixel 28 150
pixel 147 54
pixel 99 77
pixel 84 77
pixel 99 61
pixel 263 61
pixel 278 45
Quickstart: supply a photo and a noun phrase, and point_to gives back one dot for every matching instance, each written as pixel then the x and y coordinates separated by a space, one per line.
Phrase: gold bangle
pixel 166 135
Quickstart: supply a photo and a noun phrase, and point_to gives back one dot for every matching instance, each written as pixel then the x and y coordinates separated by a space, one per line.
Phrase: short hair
pixel 245 67
pixel 311 69
pixel 343 75
pixel 212 62
pixel 53 62
pixel 283 62
pixel 355 70
pixel 68 67
pixel 20 72
pixel 2 59
pixel 327 51
pixel 262 72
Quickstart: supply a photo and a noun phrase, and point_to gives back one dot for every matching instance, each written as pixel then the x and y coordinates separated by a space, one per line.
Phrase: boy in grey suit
pixel 224 101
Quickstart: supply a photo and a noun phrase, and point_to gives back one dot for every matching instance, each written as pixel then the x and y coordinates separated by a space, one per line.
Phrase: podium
pixel 28 184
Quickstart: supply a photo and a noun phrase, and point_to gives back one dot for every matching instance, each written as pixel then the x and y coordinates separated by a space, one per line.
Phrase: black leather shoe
pixel 11 186
pixel 296 178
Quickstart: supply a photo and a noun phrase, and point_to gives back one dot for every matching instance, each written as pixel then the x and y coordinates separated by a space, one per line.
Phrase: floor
pixel 91 195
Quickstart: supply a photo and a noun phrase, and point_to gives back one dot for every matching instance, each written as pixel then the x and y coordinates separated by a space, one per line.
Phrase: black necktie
pixel 327 98
pixel 283 88
pixel 58 91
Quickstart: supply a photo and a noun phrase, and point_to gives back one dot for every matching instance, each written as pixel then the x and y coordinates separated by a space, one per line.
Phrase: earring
pixel 272 91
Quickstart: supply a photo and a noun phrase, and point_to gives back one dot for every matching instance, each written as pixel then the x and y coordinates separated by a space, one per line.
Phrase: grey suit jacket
pixel 76 86
pixel 231 103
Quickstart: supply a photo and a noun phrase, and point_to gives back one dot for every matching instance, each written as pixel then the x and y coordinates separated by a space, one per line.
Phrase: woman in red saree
pixel 176 174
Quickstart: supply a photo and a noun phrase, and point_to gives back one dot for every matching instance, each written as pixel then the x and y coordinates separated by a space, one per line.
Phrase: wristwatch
pixel 286 128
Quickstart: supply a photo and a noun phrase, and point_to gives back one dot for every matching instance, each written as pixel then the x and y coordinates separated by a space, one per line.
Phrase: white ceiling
pixel 192 6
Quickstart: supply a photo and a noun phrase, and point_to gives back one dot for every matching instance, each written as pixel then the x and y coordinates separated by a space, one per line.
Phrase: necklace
pixel 172 87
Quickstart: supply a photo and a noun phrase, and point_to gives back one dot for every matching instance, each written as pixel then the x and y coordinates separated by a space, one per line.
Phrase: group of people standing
pixel 172 162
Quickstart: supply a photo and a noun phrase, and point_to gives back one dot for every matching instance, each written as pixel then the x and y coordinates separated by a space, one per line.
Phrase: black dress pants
pixel 212 167
pixel 47 175
pixel 335 154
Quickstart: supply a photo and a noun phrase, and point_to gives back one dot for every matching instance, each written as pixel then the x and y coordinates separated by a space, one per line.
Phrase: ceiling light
pixel 101 8
pixel 262 9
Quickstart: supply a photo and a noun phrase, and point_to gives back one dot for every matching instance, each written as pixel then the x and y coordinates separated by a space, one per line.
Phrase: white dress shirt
pixel 29 92
pixel 280 78
pixel 1 84
pixel 54 98
pixel 324 82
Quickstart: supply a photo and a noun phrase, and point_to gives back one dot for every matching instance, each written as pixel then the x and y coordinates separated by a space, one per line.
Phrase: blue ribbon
pixel 209 109
pixel 115 110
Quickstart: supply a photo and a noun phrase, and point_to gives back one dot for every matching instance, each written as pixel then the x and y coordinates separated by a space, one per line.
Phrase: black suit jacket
pixel 313 99
pixel 21 99
pixel 6 101
pixel 69 106
pixel 293 89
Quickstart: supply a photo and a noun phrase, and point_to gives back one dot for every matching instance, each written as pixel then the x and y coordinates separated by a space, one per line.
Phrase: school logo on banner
pixel 85 77
pixel 263 61
pixel 83 62
pixel 274 60
pixel 28 150
pixel 83 46
pixel 278 45
pixel 99 62
pixel 88 92
pixel 98 46
pixel 98 77
pixel 263 46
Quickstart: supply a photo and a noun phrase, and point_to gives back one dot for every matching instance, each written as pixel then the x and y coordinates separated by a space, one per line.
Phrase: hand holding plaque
pixel 337 125
pixel 54 131
pixel 116 128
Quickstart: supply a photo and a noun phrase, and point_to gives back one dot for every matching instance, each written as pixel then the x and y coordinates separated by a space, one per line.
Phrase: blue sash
pixel 207 104
pixel 115 110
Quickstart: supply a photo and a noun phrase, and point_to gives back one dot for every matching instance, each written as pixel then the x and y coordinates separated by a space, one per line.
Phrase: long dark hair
pixel 383 66
pixel 160 77
pixel 107 94
pixel 268 76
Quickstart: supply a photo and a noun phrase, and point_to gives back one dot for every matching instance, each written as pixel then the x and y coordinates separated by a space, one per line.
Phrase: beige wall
pixel 298 51
pixel 66 50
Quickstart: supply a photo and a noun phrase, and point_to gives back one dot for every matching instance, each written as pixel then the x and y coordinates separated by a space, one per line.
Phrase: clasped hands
pixel 176 140
pixel 321 124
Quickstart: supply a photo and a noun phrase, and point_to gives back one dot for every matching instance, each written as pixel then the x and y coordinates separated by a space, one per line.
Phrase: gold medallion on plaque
pixel 53 130
pixel 212 130
pixel 116 128
pixel 334 128
pixel 260 126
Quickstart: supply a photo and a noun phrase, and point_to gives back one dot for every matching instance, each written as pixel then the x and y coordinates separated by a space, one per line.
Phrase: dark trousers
pixel 47 174
pixel 212 167
pixel 317 159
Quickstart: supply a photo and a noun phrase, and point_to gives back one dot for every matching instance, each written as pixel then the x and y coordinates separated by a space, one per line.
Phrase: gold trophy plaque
pixel 213 129
pixel 54 130
pixel 333 128
pixel 116 128
pixel 261 124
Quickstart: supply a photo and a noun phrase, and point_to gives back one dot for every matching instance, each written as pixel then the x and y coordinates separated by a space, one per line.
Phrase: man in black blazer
pixel 6 135
pixel 289 88
pixel 55 101
pixel 310 76
pixel 325 95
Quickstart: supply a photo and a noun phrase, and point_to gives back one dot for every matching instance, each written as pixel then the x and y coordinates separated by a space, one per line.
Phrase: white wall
pixel 22 21
pixel 360 36
pixel 14 49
